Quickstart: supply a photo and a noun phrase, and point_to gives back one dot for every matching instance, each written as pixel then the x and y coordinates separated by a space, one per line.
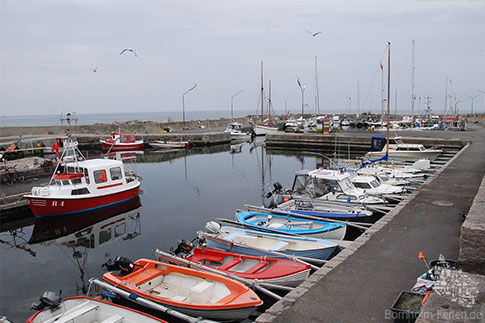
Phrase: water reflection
pixel 86 231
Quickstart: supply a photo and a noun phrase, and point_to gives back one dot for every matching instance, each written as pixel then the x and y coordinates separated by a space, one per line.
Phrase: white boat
pixel 382 176
pixel 83 185
pixel 264 127
pixel 235 129
pixel 372 186
pixel 346 124
pixel 86 309
pixel 330 185
pixel 258 243
pixel 170 144
pixel 399 150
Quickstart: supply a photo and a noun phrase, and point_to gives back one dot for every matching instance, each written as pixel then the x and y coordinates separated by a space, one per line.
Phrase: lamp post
pixel 483 92
pixel 473 99
pixel 302 88
pixel 183 103
pixel 286 100
pixel 350 105
pixel 456 104
pixel 232 97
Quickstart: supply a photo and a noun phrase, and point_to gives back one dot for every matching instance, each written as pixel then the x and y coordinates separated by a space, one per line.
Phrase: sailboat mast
pixel 412 87
pixel 446 94
pixel 382 92
pixel 317 94
pixel 358 98
pixel 262 94
pixel 388 96
pixel 269 104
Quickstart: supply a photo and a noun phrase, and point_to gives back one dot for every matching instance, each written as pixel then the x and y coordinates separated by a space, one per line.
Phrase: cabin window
pixel 100 176
pixel 132 138
pixel 120 229
pixel 86 175
pixel 115 173
pixel 104 235
pixel 346 197
pixel 364 186
pixel 374 183
pixel 76 181
pixel 66 182
pixel 80 191
pixel 123 139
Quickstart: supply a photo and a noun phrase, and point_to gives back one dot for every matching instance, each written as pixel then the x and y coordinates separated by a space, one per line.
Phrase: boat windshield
pixel 315 187
pixel 374 183
pixel 346 185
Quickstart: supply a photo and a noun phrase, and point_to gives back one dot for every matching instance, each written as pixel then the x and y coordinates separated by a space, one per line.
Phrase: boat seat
pixel 113 319
pixel 73 313
pixel 202 292
pixel 278 246
pixel 254 269
pixel 229 264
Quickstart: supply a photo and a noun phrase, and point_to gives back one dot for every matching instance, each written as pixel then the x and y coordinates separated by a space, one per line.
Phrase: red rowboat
pixel 266 270
pixel 192 292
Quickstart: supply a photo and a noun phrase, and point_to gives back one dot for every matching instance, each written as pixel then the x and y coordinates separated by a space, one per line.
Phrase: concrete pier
pixel 361 283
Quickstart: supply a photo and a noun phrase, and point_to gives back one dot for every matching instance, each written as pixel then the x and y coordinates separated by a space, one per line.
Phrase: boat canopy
pixel 378 143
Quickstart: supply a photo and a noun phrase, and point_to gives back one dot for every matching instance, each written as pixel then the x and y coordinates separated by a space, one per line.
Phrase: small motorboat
pixel 398 150
pixel 192 292
pixel 83 185
pixel 121 141
pixel 170 144
pixel 258 243
pixel 251 268
pixel 235 129
pixel 85 309
pixel 292 225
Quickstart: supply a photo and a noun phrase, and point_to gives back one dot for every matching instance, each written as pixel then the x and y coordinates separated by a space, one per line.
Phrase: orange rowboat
pixel 192 292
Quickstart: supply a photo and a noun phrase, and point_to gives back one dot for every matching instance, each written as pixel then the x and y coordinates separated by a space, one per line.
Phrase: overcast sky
pixel 49 49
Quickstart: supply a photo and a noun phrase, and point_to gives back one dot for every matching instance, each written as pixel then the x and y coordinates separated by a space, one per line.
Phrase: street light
pixel 473 99
pixel 286 100
pixel 350 105
pixel 302 88
pixel 456 103
pixel 183 102
pixel 232 97
pixel 483 92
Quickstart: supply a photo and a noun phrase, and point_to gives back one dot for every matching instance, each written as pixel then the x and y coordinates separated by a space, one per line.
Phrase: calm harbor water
pixel 179 196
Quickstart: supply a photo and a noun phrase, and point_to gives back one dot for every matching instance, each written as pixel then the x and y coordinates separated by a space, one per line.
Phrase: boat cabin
pixel 320 182
pixel 87 177
pixel 123 138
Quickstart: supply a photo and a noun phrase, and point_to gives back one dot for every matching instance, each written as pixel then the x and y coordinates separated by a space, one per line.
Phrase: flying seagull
pixel 95 69
pixel 129 50
pixel 314 34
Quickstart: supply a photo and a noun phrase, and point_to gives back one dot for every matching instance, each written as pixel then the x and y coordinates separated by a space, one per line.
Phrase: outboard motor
pixel 212 227
pixel 48 299
pixel 183 248
pixel 121 264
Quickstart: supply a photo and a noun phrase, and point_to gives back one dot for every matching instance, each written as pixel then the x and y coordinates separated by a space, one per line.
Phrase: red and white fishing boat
pixel 120 141
pixel 282 272
pixel 83 185
pixel 189 291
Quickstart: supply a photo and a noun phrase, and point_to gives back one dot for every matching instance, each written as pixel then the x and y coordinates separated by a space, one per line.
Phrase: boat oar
pixel 362 226
pixel 302 259
pixel 198 266
pixel 140 300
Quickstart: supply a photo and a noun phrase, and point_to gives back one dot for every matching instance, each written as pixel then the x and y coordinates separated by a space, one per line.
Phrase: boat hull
pixel 86 309
pixel 267 270
pixel 171 286
pixel 260 130
pixel 122 146
pixel 49 206
pixel 292 225
pixel 237 241
pixel 404 155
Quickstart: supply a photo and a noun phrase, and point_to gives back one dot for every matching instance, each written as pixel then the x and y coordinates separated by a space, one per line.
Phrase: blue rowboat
pixel 258 243
pixel 292 225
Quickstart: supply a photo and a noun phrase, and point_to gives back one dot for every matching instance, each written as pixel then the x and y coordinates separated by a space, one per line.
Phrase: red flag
pixel 421 256
pixel 451 82
pixel 11 148
pixel 382 66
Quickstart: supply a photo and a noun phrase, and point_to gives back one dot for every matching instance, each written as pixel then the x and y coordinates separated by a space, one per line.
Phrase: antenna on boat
pixel 262 94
